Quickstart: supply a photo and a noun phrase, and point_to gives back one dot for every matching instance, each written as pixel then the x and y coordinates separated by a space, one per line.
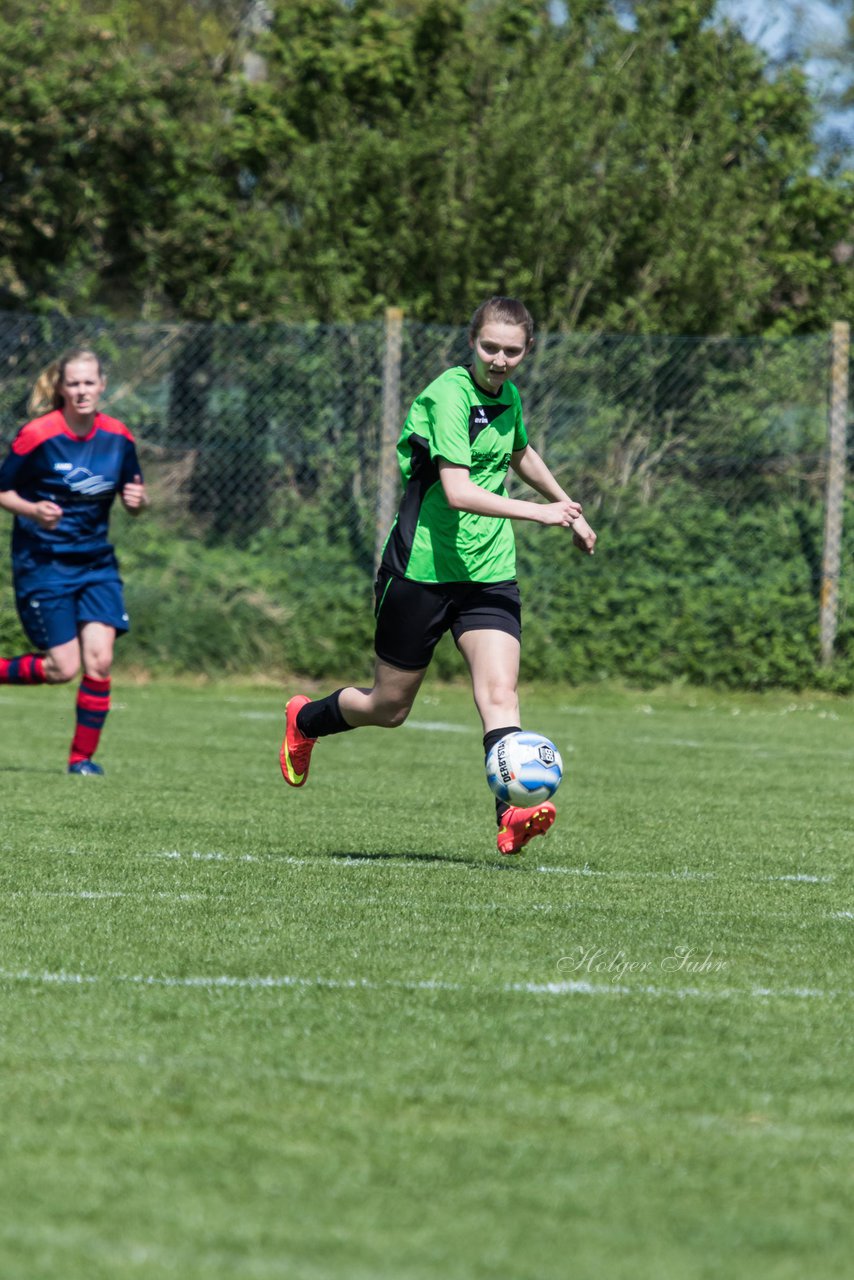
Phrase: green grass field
pixel 330 1035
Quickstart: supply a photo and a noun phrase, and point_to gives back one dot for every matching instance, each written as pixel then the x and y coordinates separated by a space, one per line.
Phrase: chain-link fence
pixel 270 442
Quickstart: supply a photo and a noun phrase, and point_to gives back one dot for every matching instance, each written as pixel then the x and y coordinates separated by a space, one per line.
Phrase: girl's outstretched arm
pixel 531 468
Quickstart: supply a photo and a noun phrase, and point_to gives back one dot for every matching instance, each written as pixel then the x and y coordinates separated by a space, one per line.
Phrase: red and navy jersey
pixel 82 474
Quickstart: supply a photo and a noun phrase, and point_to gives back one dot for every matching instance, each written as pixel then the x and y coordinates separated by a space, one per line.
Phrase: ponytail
pixel 46 395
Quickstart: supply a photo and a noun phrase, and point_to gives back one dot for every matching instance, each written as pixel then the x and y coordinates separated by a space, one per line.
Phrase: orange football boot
pixel 518 826
pixel 295 753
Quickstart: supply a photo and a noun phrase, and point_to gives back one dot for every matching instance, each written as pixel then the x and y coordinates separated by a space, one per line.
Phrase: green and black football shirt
pixel 459 421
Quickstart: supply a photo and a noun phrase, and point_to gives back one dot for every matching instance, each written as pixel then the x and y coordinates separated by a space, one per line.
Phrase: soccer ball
pixel 524 769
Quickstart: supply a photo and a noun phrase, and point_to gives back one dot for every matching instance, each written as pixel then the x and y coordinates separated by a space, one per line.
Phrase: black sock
pixel 321 718
pixel 489 741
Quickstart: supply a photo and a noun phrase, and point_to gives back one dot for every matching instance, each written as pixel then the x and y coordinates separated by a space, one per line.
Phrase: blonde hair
pixel 499 310
pixel 46 394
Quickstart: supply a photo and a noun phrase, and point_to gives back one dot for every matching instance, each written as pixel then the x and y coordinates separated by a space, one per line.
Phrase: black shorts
pixel 412 617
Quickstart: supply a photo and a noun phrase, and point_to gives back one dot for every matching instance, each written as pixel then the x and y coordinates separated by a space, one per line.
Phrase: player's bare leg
pixel 493 662
pixel 55 666
pixel 97 643
pixel 385 704
pixel 62 662
pixel 389 700
pixel 493 658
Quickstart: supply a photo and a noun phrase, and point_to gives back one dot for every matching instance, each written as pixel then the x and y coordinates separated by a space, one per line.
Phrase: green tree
pixel 632 167
pixel 97 140
pixel 633 176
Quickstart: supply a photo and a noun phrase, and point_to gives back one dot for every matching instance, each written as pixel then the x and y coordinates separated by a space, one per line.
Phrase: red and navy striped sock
pixel 26 669
pixel 93 703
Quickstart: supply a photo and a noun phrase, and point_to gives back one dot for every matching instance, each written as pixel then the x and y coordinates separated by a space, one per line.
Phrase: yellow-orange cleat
pixel 518 826
pixel 295 753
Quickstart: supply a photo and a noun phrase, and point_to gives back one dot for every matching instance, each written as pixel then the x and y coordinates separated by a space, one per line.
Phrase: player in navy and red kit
pixel 59 480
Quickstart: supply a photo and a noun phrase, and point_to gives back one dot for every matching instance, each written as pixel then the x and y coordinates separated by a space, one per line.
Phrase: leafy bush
pixel 672 594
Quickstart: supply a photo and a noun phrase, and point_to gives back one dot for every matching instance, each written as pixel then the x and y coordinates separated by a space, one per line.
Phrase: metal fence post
pixel 836 465
pixel 388 486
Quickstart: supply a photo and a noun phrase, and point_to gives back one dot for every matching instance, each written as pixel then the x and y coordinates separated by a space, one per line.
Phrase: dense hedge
pixel 672 593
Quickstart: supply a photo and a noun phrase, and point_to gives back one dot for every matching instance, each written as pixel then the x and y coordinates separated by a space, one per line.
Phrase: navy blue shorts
pixel 52 611
pixel 412 617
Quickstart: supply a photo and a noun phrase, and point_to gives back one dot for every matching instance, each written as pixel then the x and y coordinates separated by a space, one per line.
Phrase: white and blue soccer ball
pixel 524 769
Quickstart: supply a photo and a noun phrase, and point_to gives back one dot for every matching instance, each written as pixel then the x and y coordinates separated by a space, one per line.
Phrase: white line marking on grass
pixel 197 855
pixel 61 977
pixel 92 894
pixel 409 864
pixel 679 993
pixel 255 982
pixel 96 895
pixel 804 879
pixel 284 981
pixel 438 726
pixel 760 751
pixel 283 859
pixel 684 874
pixel 629 875
pixel 212 855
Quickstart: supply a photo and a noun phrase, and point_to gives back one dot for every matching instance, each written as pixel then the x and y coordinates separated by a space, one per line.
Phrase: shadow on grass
pixel 486 863
pixel 30 768
pixel 384 856
pixel 409 857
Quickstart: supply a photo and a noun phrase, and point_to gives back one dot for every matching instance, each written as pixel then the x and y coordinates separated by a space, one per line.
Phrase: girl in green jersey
pixel 449 560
